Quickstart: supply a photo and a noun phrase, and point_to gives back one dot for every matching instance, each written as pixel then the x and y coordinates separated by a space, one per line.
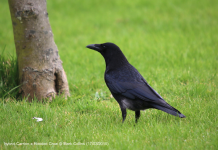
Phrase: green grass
pixel 172 43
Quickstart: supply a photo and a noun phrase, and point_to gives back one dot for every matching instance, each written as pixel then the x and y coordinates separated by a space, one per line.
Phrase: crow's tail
pixel 169 109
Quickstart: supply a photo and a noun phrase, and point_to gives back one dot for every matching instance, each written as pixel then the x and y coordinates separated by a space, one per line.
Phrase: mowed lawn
pixel 173 44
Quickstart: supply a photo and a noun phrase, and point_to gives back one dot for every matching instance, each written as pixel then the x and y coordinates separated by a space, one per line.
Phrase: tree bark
pixel 40 69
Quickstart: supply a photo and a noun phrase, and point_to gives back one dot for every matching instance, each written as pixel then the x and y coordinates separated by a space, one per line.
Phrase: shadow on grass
pixel 9 80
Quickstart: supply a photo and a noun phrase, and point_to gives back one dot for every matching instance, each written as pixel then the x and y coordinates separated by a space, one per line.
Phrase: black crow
pixel 127 85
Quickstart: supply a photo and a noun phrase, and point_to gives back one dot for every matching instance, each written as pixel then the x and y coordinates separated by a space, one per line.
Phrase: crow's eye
pixel 103 46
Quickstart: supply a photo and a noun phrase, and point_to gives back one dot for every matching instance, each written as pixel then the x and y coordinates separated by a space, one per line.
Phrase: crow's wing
pixel 143 91
pixel 132 89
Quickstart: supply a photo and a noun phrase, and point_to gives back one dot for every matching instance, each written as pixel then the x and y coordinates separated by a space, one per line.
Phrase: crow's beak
pixel 94 47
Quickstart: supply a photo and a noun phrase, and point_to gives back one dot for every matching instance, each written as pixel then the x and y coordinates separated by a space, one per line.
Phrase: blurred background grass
pixel 172 43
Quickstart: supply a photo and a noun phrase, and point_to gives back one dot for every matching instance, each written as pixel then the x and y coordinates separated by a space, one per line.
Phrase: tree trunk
pixel 40 69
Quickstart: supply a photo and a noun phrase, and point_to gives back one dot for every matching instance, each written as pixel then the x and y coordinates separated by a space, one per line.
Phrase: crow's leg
pixel 137 115
pixel 123 110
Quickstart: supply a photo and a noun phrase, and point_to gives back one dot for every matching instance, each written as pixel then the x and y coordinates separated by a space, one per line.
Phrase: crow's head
pixel 110 52
pixel 102 48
